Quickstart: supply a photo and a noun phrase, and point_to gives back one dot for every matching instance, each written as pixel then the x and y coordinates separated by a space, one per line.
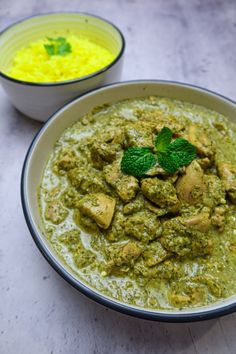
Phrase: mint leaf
pixel 163 139
pixel 182 152
pixel 50 49
pixel 171 156
pixel 167 163
pixel 58 46
pixel 61 40
pixel 178 154
pixel 137 161
pixel 64 48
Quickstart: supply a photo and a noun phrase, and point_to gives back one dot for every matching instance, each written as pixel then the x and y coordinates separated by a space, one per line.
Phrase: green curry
pixel 161 241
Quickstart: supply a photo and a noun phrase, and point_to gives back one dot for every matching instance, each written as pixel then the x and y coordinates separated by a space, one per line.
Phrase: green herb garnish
pixel 171 155
pixel 137 160
pixel 179 153
pixel 163 139
pixel 57 46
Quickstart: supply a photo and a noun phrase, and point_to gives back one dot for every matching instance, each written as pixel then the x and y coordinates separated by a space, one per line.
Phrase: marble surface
pixel 191 41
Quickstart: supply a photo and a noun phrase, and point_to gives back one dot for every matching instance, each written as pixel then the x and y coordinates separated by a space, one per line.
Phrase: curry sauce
pixel 163 241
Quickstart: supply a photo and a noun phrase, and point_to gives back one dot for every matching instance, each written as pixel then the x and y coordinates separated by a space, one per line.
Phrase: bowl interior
pixel 44 142
pixel 54 25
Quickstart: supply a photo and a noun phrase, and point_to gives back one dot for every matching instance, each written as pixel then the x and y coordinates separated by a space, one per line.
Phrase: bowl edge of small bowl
pixel 73 81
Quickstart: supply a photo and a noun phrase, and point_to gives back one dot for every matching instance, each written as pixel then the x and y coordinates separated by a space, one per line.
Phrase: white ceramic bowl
pixel 40 100
pixel 42 146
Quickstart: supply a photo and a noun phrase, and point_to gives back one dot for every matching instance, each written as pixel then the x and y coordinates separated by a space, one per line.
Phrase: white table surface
pixel 191 41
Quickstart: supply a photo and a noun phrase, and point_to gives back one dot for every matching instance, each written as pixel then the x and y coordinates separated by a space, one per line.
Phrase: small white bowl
pixel 40 100
pixel 42 146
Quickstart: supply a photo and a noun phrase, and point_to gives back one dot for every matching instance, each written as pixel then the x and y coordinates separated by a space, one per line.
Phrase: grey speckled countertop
pixel 184 40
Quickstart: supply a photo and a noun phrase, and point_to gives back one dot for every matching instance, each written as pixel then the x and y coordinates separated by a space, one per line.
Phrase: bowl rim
pixel 75 282
pixel 73 81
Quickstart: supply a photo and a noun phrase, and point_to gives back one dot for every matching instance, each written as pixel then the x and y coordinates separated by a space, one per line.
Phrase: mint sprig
pixel 163 139
pixel 57 46
pixel 171 155
pixel 137 161
pixel 179 153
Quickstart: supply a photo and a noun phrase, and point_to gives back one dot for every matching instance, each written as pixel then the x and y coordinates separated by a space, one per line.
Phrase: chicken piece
pixel 139 134
pixel 155 209
pixel 86 181
pixel 106 136
pixel 169 269
pixel 218 217
pixel 55 212
pixel 159 171
pixel 119 136
pixel 202 141
pixel 155 254
pixel 215 194
pixel 71 239
pixel 140 203
pixel 116 230
pixel 160 193
pixel 190 187
pixel 113 135
pixel 70 197
pixel 121 257
pixel 144 226
pixel 184 240
pixel 130 252
pixel 166 270
pixel 66 161
pixel 102 153
pixel 125 186
pixel 141 269
pixel 112 173
pixel 227 173
pixel 136 205
pixel 85 222
pixel 83 257
pixel 99 207
pixel 201 222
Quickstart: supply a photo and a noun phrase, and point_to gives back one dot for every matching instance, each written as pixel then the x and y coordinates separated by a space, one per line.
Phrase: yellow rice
pixel 33 64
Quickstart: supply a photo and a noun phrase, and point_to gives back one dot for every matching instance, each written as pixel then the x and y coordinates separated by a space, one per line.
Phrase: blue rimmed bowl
pixel 41 148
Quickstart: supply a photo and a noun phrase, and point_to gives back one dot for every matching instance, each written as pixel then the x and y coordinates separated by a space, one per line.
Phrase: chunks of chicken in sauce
pixel 162 240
